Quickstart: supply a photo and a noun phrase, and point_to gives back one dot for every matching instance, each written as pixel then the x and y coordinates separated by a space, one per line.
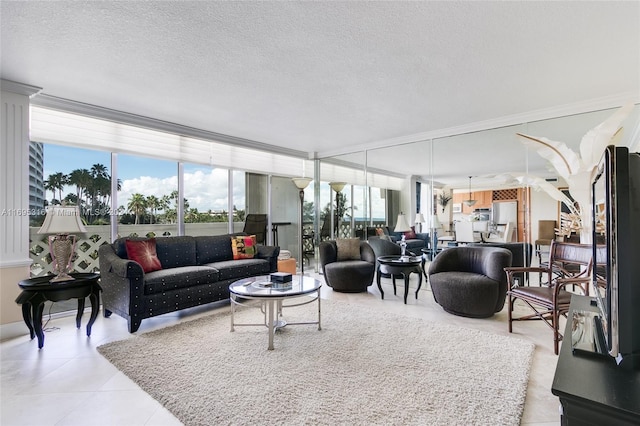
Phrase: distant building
pixel 36 181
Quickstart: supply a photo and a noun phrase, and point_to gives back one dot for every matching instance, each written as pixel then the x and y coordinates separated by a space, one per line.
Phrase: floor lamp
pixel 337 187
pixel 301 184
pixel 435 225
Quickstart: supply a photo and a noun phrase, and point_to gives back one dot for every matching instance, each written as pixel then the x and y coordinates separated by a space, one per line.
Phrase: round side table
pixel 398 265
pixel 36 291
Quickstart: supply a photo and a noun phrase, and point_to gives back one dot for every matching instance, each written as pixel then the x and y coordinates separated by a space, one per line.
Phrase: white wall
pixel 543 207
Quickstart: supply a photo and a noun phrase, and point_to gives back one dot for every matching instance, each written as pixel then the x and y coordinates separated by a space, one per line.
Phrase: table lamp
pixel 402 226
pixel 62 221
pixel 419 221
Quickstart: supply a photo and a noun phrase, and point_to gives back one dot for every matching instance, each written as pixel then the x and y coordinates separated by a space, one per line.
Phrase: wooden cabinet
pixel 483 200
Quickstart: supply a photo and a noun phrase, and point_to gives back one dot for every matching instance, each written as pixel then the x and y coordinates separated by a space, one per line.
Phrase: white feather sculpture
pixel 576 169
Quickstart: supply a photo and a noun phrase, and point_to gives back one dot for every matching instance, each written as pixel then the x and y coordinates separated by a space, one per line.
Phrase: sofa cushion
pixel 180 277
pixel 242 268
pixel 213 248
pixel 176 251
pixel 243 247
pixel 144 253
pixel 347 249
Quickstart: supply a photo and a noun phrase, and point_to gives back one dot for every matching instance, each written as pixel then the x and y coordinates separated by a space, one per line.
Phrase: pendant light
pixel 470 202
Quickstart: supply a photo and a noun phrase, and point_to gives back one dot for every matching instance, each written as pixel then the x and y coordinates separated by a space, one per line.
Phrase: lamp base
pixel 62 247
pixel 61 277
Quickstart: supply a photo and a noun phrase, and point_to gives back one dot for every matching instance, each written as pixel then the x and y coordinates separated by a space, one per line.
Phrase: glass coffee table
pixel 272 296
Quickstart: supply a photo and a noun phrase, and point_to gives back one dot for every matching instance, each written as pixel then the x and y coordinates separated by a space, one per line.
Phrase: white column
pixel 14 195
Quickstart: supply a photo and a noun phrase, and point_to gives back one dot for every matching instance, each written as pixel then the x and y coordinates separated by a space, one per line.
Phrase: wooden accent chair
pixel 569 264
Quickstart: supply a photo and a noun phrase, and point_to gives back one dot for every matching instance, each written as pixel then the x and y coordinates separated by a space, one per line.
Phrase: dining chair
pixel 569 264
pixel 465 233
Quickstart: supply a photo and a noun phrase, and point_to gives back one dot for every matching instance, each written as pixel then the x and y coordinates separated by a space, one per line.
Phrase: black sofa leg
pixel 133 325
pixel 107 313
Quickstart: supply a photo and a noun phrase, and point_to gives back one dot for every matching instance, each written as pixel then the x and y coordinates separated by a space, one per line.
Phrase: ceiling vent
pixel 552 179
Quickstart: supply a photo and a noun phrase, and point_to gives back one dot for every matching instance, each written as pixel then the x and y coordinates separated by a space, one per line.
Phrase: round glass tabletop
pixel 262 286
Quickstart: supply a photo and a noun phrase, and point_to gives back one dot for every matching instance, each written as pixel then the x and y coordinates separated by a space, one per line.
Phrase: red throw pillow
pixel 411 235
pixel 144 252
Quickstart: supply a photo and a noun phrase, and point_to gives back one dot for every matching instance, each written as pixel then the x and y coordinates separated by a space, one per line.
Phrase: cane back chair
pixel 569 264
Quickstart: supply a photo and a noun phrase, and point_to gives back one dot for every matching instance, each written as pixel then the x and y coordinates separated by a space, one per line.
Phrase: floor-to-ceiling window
pixel 148 200
pixel 78 177
pixel 75 177
pixel 206 190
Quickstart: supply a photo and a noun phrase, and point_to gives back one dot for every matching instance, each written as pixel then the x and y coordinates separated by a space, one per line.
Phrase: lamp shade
pixel 435 223
pixel 401 224
pixel 301 182
pixel 420 218
pixel 62 220
pixel 337 186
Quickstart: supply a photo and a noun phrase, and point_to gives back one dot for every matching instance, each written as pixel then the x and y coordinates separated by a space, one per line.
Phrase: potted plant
pixel 443 200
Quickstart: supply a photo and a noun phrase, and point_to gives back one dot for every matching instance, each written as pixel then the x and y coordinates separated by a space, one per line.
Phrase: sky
pixel 205 187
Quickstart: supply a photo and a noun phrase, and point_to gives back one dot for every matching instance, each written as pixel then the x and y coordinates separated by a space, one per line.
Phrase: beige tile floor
pixel 69 383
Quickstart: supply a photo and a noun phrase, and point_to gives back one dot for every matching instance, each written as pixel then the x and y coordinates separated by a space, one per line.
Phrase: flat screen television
pixel 615 196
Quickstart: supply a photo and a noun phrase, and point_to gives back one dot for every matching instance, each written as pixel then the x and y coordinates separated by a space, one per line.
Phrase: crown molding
pixel 19 88
pixel 591 105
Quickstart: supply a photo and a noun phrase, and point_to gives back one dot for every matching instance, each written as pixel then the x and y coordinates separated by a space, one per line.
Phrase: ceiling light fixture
pixel 470 202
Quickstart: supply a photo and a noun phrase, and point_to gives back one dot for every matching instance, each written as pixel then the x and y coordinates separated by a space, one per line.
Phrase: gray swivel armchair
pixel 521 254
pixel 347 270
pixel 470 281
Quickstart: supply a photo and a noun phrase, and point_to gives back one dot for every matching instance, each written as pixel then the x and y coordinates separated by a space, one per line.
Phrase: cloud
pixel 203 189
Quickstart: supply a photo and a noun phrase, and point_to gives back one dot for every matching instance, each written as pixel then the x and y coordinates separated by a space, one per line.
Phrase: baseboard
pixel 13 330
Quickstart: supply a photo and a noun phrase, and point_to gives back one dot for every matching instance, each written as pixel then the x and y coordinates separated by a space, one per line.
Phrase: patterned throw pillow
pixel 411 235
pixel 380 232
pixel 144 252
pixel 348 248
pixel 243 246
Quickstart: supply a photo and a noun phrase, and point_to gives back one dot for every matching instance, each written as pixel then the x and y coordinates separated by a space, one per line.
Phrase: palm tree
pixel 101 180
pixel 81 178
pixel 56 182
pixel 153 203
pixel 137 205
pixel 99 170
pixel 107 193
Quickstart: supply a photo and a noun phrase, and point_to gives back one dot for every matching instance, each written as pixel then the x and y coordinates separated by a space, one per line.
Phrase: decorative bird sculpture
pixel 576 168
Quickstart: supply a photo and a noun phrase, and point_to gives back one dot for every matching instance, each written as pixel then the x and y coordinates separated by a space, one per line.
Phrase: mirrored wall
pixel 476 176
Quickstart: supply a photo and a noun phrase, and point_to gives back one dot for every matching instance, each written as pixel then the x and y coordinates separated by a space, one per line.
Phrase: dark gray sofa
pixel 414 244
pixel 195 271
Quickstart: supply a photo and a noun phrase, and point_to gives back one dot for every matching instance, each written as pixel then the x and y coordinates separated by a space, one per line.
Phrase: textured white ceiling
pixel 327 77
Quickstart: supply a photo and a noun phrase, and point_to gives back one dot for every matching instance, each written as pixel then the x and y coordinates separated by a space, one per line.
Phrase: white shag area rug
pixel 364 367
